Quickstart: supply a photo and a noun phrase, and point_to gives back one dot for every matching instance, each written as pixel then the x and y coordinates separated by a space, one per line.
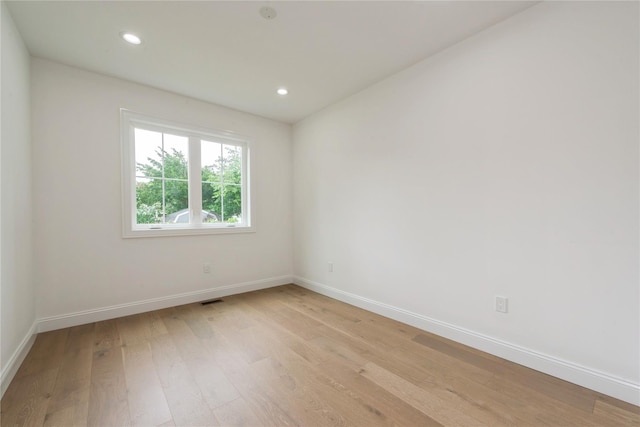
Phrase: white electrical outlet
pixel 206 268
pixel 330 267
pixel 502 304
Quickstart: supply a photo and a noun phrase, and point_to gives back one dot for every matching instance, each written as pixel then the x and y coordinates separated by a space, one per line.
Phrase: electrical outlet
pixel 206 268
pixel 502 304
pixel 330 267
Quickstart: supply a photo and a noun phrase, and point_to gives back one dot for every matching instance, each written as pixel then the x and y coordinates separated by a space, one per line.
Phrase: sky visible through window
pixel 149 143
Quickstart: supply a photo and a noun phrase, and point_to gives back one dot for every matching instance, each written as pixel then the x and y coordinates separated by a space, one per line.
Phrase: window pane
pixel 211 202
pixel 232 159
pixel 148 201
pixel 232 203
pixel 148 152
pixel 176 201
pixel 211 158
pixel 176 153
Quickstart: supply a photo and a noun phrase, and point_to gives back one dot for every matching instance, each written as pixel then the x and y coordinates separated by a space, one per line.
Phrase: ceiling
pixel 226 53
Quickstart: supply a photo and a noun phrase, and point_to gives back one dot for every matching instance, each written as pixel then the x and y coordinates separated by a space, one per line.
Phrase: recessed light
pixel 131 38
pixel 282 91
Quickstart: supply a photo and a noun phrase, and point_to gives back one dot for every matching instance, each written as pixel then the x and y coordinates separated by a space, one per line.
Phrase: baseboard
pixel 569 371
pixel 95 315
pixel 16 359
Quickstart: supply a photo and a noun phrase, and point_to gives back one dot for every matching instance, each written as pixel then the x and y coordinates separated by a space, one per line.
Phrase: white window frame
pixel 128 122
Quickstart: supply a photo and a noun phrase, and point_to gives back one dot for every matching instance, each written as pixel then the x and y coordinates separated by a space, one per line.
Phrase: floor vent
pixel 213 301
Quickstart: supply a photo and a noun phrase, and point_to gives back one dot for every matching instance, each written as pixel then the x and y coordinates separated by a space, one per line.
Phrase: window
pixel 181 180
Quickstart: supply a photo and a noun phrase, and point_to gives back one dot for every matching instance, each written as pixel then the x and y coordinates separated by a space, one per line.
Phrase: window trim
pixel 129 120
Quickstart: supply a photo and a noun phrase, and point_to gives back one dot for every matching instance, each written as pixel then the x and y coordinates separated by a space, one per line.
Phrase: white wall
pixel 83 262
pixel 16 263
pixel 505 165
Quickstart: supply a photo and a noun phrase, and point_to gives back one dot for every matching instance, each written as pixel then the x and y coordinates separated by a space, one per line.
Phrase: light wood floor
pixel 283 357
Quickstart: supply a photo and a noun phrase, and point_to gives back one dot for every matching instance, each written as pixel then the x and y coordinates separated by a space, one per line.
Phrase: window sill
pixel 184 231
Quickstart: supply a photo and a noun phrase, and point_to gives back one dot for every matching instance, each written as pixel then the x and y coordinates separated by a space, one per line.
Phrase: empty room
pixel 320 213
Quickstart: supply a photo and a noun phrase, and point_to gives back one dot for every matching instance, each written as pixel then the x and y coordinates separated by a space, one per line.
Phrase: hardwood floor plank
pixel 297 323
pixel 284 356
pixel 47 353
pixel 416 367
pixel 186 402
pixel 289 387
pixel 73 382
pixel 228 358
pixel 356 390
pixel 545 409
pixel 434 367
pixel 147 402
pixel 616 413
pixel 428 403
pixel 266 409
pixel 198 324
pixel 226 315
pixel 80 337
pixel 292 378
pixel 438 379
pixel 106 335
pixel 354 408
pixel 213 384
pixel 578 397
pixel 281 334
pixel 25 401
pixel 108 404
pixel 619 404
pixel 69 400
pixel 140 328
pixel 409 358
pixel 75 415
pixel 236 414
pixel 320 309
